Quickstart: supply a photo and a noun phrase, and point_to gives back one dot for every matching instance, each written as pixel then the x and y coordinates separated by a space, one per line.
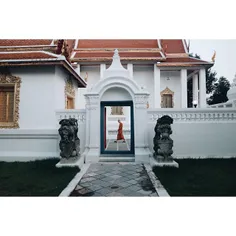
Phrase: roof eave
pixel 51 61
pixel 108 59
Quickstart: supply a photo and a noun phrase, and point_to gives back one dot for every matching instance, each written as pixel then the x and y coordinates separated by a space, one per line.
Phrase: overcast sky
pixel 225 62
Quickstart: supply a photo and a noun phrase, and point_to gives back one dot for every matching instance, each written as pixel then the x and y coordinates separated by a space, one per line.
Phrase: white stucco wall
pixel 93 77
pixel 171 79
pixel 37 103
pixel 144 76
pixel 199 133
pixel 60 79
pixel 42 92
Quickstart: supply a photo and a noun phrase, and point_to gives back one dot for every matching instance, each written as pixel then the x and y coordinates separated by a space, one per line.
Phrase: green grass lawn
pixel 36 178
pixel 209 177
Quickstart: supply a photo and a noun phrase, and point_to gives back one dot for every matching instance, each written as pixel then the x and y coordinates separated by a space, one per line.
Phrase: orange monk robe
pixel 120 135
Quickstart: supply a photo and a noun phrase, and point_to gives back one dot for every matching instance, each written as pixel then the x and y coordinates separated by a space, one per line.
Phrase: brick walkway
pixel 115 180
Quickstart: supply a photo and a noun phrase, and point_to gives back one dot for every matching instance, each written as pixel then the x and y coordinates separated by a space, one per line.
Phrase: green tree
pixel 219 95
pixel 210 82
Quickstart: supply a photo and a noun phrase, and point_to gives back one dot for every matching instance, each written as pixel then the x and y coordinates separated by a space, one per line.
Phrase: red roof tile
pixel 24 42
pixel 184 59
pixel 117 43
pixel 173 45
pixel 28 55
pixel 122 54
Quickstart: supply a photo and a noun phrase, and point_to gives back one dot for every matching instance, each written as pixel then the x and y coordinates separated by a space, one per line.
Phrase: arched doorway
pixel 116 88
pixel 111 143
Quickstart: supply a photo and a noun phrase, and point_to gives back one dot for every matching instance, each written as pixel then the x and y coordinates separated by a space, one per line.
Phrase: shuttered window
pixel 6 103
pixel 167 101
pixel 70 103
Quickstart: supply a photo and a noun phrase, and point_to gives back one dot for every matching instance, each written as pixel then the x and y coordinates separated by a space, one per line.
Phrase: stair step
pixel 116 159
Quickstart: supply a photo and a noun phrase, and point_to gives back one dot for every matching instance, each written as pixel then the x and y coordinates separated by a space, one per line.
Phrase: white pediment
pixel 116 69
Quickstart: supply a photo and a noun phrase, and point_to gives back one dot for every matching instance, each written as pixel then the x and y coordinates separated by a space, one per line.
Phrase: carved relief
pixel 117 110
pixel 69 90
pixel 141 101
pixel 8 79
pixel 167 91
pixel 181 116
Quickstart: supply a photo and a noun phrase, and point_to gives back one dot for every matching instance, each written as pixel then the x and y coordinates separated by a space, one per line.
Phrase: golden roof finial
pixel 213 57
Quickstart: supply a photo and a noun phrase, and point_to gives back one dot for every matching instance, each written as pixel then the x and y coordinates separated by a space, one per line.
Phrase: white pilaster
pixel 157 85
pixel 195 88
pixel 77 69
pixel 142 151
pixel 93 127
pixel 130 69
pixel 184 95
pixel 202 87
pixel 102 69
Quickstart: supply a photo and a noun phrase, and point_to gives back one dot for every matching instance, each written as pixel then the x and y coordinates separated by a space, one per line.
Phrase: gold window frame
pixel 69 92
pixel 15 81
pixel 167 91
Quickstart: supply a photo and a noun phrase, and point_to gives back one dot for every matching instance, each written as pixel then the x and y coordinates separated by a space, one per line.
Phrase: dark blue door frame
pixel 102 125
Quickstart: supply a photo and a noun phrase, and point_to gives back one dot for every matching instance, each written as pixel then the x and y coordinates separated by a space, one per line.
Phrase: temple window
pixel 117 110
pixel 167 98
pixel 9 101
pixel 70 104
pixel 69 95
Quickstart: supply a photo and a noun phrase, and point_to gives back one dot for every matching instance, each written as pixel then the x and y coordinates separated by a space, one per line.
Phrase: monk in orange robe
pixel 120 135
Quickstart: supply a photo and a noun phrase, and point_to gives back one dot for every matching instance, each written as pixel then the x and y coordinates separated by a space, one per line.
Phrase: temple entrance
pixel 117 128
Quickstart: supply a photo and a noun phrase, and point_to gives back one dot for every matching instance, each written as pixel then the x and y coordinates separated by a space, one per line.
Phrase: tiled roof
pixel 24 42
pixel 104 55
pixel 184 59
pixel 25 55
pixel 173 45
pixel 117 43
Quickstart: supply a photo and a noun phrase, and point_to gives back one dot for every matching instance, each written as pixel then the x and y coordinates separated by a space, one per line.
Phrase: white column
pixel 195 88
pixel 93 127
pixel 77 69
pixel 202 87
pixel 184 95
pixel 142 151
pixel 130 69
pixel 157 87
pixel 102 69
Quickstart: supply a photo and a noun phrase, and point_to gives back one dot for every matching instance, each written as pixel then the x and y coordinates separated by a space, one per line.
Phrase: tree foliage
pixel 219 95
pixel 217 87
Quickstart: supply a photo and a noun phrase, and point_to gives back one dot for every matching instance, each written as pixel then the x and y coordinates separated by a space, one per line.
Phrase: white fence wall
pixel 198 132
pixel 28 144
pixel 224 105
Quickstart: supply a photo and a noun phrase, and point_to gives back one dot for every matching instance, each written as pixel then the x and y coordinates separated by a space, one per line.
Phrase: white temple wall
pixel 93 73
pixel 144 76
pixel 37 101
pixel 59 88
pixel 200 133
pixel 42 92
pixel 172 80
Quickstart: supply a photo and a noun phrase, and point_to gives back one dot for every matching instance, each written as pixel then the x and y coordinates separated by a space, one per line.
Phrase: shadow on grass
pixel 36 178
pixel 199 177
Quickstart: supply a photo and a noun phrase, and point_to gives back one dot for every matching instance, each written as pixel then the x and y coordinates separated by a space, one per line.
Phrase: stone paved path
pixel 115 180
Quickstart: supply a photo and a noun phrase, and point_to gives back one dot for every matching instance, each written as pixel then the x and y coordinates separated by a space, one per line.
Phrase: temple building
pixel 163 67
pixel 102 83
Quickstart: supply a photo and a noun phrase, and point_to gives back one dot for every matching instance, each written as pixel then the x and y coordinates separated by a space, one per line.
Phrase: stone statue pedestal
pixel 160 162
pixel 72 162
pixel 163 144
